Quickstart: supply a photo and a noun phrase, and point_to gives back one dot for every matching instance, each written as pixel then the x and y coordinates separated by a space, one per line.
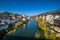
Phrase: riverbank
pixel 10 29
pixel 46 32
pixel 26 31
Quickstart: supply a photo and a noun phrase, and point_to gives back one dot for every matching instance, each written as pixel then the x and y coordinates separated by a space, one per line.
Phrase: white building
pixel 50 16
pixel 24 19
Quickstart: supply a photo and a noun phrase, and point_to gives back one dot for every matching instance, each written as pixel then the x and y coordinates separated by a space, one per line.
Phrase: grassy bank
pixel 12 28
pixel 15 26
pixel 45 31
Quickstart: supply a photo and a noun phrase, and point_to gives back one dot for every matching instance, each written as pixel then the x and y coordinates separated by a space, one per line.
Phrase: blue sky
pixel 29 7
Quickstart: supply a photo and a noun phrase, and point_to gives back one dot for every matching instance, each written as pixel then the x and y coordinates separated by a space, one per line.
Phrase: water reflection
pixel 14 30
pixel 24 26
pixel 37 35
pixel 29 30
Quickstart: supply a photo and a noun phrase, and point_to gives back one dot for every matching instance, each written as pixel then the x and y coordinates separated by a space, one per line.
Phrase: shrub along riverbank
pixel 11 28
pixel 46 32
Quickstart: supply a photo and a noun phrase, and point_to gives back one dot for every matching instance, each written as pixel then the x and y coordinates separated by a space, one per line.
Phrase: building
pixel 50 16
pixel 18 16
pixel 3 15
pixel 11 16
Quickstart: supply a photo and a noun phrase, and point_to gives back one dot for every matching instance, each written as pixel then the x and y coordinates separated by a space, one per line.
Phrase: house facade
pixel 3 15
pixel 50 16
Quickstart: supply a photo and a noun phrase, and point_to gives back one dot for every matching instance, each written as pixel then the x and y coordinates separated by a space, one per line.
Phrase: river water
pixel 25 31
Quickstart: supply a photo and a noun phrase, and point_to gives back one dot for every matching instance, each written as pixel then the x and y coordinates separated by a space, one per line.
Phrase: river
pixel 25 31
